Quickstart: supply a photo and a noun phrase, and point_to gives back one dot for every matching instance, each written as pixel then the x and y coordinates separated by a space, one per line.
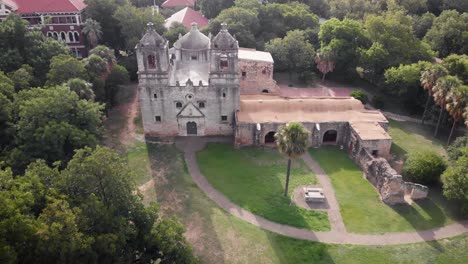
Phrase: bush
pixel 360 95
pixel 455 149
pixel 378 102
pixel 424 167
pixel 455 180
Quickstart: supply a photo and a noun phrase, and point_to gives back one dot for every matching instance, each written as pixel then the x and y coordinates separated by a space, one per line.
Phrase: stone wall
pixel 390 185
pixel 256 77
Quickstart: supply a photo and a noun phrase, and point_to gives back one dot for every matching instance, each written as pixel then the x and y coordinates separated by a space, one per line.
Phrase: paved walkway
pixel 338 233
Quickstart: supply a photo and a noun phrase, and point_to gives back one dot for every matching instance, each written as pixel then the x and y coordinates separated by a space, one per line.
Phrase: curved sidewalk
pixel 338 234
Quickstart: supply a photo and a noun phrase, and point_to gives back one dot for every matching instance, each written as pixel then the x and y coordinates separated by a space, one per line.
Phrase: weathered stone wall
pixel 390 185
pixel 258 77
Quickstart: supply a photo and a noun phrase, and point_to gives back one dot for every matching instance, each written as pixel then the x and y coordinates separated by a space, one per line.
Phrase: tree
pixel 345 39
pixel 449 33
pixel 293 53
pixel 22 77
pixel 103 12
pixel 440 91
pixel 64 68
pixel 355 9
pixel 175 30
pixel 93 31
pixel 82 88
pixel 455 181
pixel 325 61
pixel 52 123
pixel 292 142
pixel 360 95
pixel 454 151
pixel 211 8
pixel 457 101
pixel 457 65
pixel 404 81
pixel 118 76
pixel 319 7
pixel 422 23
pixel 424 167
pixel 132 22
pixel 428 80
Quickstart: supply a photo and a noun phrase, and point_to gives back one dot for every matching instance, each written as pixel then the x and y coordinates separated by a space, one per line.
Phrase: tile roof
pixel 10 3
pixel 176 3
pixel 187 16
pixel 39 6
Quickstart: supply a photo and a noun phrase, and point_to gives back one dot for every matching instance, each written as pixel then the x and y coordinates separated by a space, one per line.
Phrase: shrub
pixel 378 102
pixel 424 167
pixel 455 180
pixel 360 95
pixel 455 149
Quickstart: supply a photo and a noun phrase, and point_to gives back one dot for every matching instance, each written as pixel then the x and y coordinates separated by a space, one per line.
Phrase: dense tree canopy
pixel 64 68
pixel 212 8
pixel 455 180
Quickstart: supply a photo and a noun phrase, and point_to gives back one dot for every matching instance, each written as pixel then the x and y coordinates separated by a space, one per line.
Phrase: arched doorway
pixel 191 128
pixel 270 137
pixel 330 136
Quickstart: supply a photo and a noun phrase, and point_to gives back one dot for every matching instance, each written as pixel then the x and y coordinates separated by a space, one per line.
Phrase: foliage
pixel 293 53
pixel 378 102
pixel 424 167
pixel 82 88
pixel 118 76
pixel 22 77
pixel 211 8
pixel 355 9
pixel 52 123
pixel 132 22
pixel 457 65
pixel 87 213
pixel 360 95
pixel 454 151
pixel 103 12
pixel 404 81
pixel 64 68
pixel 455 180
pixel 176 29
pixel 422 23
pixel 449 33
pixel 93 31
pixel 345 39
pixel 325 61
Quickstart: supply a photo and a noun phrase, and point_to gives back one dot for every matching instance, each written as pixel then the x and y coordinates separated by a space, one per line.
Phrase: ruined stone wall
pixel 390 185
pixel 256 77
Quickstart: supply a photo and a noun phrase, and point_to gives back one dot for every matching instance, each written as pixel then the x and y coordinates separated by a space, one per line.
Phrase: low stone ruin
pixel 390 185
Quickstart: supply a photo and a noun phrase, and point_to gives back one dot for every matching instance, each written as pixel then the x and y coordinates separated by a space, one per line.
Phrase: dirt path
pixel 127 135
pixel 338 234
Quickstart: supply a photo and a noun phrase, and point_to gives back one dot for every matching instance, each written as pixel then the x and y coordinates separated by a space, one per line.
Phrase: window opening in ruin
pixel 330 136
pixel 244 75
pixel 265 91
pixel 193 57
pixel 223 63
pixel 223 118
pixel 270 137
pixel 151 62
pixel 179 105
pixel 155 96
pixel 375 153
pixel 201 105
pixel 157 118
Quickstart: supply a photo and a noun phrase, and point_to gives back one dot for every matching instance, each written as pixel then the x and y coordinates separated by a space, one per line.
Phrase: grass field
pixel 361 208
pixel 408 137
pixel 219 237
pixel 255 179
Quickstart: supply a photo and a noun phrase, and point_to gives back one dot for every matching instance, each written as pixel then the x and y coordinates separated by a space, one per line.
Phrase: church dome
pixel 151 38
pixel 193 40
pixel 224 40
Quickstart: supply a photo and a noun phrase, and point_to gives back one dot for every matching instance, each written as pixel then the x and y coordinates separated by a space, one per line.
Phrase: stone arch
pixel 330 136
pixel 265 91
pixel 270 137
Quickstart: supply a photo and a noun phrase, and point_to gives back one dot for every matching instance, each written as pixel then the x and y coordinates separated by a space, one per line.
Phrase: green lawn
pixel 408 137
pixel 219 237
pixel 254 179
pixel 361 208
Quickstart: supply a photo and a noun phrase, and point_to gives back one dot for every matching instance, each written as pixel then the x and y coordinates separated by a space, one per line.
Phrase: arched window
pixel 49 34
pixel 178 105
pixel 330 136
pixel 270 137
pixel 151 62
pixel 223 62
pixel 77 36
pixel 63 36
pixel 55 34
pixel 70 37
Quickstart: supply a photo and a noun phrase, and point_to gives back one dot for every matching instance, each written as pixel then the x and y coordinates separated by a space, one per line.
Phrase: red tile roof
pixel 10 3
pixel 176 3
pixel 187 16
pixel 39 6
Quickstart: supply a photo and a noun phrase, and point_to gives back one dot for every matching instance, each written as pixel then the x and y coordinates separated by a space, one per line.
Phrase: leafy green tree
pixel 449 33
pixel 413 6
pixel 319 7
pixel 118 76
pixel 428 80
pixel 293 53
pixel 454 151
pixel 132 22
pixel 292 141
pixel 455 181
pixel 457 101
pixel 355 9
pixel 424 167
pixel 242 23
pixel 7 87
pixel 52 123
pixel 360 95
pixel 82 88
pixel 103 12
pixel 440 91
pixel 422 24
pixel 457 65
pixel 64 68
pixel 211 8
pixel 404 81
pixel 176 29
pixel 93 31
pixel 6 121
pixel 22 77
pixel 345 39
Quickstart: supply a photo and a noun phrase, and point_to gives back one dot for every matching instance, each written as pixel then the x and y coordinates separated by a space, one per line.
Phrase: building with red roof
pixel 60 19
pixel 178 3
pixel 187 16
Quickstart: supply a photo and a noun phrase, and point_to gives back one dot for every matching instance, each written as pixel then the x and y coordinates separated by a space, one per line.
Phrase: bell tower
pixel 224 66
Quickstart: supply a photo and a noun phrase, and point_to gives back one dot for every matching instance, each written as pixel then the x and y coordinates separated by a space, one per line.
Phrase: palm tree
pixel 106 54
pixel 292 141
pixel 457 101
pixel 93 31
pixel 428 80
pixel 440 91
pixel 325 61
